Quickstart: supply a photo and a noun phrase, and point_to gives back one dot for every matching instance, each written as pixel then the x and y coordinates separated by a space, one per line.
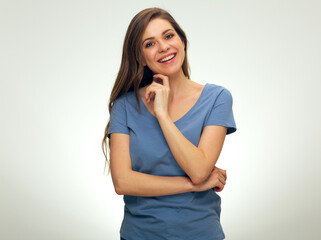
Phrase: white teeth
pixel 167 58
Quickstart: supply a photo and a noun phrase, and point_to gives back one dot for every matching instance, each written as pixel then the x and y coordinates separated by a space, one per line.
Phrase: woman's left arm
pixel 197 162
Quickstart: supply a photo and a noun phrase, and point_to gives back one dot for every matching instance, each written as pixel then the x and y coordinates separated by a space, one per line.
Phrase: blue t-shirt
pixel 185 216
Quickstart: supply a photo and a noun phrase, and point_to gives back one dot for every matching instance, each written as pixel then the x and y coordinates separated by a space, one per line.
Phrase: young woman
pixel 165 135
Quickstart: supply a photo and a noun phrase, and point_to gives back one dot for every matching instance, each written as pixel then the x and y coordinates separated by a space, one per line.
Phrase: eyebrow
pixel 154 37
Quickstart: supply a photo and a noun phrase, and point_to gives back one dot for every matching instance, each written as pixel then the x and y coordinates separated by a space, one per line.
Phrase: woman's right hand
pixel 216 180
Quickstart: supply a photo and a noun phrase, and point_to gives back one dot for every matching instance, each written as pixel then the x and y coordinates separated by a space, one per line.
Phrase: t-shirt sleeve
pixel 221 113
pixel 118 118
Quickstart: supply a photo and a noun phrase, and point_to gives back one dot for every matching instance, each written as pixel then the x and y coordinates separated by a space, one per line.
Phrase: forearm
pixel 142 184
pixel 190 158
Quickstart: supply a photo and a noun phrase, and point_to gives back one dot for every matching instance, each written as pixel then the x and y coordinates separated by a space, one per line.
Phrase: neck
pixel 178 84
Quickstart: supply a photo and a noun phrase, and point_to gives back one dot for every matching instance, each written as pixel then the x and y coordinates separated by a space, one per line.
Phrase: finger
pixel 222 171
pixel 222 180
pixel 224 174
pixel 216 170
pixel 220 175
pixel 153 92
pixel 157 80
pixel 164 78
pixel 149 94
pixel 219 187
pixel 219 169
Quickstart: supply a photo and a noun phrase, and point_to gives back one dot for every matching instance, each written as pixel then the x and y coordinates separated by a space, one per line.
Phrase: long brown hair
pixel 132 74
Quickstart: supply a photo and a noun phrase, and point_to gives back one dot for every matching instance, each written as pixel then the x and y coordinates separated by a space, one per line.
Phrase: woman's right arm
pixel 129 182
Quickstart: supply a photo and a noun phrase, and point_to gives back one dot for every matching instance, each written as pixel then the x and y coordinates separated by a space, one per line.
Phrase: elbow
pixel 121 182
pixel 119 191
pixel 196 181
pixel 198 178
pixel 200 175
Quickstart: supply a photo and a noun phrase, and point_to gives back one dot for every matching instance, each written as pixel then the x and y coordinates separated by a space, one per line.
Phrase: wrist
pixel 191 187
pixel 162 115
pixel 194 187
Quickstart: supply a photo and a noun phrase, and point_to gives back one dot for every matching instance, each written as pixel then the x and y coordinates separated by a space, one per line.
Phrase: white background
pixel 58 63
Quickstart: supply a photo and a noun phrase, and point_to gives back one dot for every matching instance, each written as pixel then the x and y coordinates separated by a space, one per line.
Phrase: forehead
pixel 156 27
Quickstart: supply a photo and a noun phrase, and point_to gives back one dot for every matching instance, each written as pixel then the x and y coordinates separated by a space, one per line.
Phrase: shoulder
pixel 126 97
pixel 218 91
pixel 216 87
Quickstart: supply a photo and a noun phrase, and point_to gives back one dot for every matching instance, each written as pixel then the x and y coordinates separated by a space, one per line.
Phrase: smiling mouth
pixel 167 58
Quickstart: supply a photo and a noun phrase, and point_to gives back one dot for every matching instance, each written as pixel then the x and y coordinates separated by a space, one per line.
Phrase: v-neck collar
pixel 142 104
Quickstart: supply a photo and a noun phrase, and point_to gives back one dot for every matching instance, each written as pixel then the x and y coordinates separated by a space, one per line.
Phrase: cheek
pixel 149 55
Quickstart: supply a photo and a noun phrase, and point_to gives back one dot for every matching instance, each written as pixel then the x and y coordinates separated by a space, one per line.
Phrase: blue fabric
pixel 186 216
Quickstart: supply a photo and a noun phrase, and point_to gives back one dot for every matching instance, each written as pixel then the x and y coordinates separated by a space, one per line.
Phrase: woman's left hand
pixel 158 94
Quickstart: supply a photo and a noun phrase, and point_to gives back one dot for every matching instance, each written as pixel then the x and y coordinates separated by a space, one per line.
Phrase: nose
pixel 163 46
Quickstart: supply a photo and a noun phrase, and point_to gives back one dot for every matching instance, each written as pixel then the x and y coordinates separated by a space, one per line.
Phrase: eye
pixel 169 36
pixel 149 44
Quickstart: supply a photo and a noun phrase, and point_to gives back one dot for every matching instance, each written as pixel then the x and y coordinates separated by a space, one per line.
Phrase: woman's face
pixel 162 48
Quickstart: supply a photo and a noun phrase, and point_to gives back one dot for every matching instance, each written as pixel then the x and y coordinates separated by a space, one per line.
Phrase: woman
pixel 165 134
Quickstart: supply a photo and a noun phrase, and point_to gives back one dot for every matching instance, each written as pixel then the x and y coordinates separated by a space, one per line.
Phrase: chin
pixel 168 72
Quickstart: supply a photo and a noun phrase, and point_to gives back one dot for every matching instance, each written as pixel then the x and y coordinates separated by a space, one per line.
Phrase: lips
pixel 167 57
